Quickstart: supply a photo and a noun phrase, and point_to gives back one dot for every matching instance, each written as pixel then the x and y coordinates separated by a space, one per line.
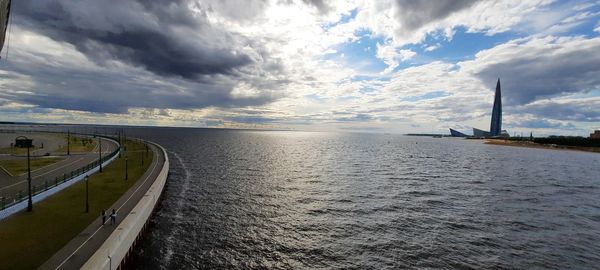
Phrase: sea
pixel 242 199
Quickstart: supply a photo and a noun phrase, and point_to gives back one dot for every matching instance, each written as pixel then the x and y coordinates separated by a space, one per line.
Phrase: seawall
pixel 117 246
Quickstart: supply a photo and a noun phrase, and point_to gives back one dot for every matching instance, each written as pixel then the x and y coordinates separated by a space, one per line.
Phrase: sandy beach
pixel 531 144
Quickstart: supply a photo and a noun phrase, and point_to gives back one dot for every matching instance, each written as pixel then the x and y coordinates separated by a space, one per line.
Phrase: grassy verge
pixel 27 240
pixel 78 144
pixel 19 166
pixel 16 150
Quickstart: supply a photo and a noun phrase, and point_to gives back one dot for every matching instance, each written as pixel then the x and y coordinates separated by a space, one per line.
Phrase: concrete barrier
pixel 117 246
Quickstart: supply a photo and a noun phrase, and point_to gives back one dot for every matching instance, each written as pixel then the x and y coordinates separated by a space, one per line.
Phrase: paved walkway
pixel 84 245
pixel 11 185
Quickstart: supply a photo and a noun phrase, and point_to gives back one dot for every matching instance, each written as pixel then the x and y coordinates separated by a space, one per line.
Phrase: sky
pixel 372 66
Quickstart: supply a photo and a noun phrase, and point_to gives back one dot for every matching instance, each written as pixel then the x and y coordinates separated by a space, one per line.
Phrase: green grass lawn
pixel 28 239
pixel 19 166
pixel 79 144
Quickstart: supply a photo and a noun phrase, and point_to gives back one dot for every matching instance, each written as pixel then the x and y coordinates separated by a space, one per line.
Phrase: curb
pixel 115 250
pixel 15 208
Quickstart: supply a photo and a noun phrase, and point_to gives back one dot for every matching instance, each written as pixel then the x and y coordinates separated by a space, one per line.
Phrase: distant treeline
pixel 569 141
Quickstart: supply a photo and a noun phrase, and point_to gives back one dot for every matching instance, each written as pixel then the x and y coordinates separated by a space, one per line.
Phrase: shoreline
pixel 119 244
pixel 530 144
pixel 82 247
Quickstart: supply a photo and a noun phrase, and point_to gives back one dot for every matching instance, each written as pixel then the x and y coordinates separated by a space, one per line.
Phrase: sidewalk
pixel 85 244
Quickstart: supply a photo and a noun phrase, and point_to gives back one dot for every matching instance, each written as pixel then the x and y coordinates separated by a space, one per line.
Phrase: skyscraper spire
pixel 496 124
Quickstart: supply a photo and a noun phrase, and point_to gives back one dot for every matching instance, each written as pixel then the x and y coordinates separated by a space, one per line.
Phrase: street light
pixel 68 142
pixel 27 143
pixel 120 143
pixel 87 196
pixel 29 201
pixel 100 152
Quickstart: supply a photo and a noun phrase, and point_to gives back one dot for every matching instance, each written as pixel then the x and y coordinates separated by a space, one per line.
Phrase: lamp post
pixel 27 142
pixel 29 201
pixel 100 152
pixel 120 143
pixel 87 196
pixel 68 142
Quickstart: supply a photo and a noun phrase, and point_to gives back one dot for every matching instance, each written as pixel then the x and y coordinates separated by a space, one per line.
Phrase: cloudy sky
pixel 387 66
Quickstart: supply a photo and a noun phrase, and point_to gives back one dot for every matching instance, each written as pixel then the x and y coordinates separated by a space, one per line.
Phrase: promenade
pixel 76 253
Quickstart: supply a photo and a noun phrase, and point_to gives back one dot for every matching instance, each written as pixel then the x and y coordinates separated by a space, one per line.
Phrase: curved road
pixel 11 185
pixel 75 254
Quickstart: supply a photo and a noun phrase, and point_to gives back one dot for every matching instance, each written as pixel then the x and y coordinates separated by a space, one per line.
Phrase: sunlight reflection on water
pixel 254 199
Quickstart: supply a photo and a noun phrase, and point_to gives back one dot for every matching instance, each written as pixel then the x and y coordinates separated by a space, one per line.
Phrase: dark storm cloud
pixel 321 5
pixel 582 110
pixel 116 92
pixel 415 14
pixel 543 73
pixel 181 60
pixel 164 37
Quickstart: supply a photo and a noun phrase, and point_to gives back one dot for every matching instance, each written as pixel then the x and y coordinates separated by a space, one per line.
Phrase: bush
pixel 569 141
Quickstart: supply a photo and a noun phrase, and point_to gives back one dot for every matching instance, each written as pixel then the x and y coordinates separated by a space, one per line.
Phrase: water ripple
pixel 294 200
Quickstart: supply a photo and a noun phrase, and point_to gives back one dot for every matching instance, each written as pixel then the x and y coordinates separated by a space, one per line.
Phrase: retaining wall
pixel 117 246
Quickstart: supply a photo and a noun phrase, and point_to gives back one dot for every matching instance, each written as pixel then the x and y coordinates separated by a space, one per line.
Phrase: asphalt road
pixel 11 185
pixel 84 245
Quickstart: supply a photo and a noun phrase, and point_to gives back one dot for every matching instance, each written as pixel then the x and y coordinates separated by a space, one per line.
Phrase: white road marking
pixel 155 162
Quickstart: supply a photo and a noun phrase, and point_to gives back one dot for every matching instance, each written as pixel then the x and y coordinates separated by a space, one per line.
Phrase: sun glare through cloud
pixel 303 65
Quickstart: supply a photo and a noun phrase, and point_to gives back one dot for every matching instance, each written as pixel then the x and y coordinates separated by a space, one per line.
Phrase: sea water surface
pixel 306 200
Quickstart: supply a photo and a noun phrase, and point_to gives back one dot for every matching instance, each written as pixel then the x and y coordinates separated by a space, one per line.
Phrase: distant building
pixel 456 133
pixel 495 124
pixel 22 142
pixel 481 133
pixel 595 135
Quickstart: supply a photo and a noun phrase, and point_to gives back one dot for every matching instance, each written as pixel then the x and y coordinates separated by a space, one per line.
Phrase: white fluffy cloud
pixel 392 57
pixel 406 22
pixel 280 63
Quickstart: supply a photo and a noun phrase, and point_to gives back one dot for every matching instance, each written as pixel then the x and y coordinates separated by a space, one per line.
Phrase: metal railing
pixel 48 184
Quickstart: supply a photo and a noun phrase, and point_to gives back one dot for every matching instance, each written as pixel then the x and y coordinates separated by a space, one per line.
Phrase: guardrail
pixel 9 206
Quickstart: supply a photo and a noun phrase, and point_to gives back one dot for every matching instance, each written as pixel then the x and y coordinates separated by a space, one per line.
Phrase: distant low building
pixel 481 133
pixel 595 135
pixel 456 133
pixel 22 142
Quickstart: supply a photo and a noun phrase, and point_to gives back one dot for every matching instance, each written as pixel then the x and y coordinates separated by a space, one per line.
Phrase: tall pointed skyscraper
pixel 496 125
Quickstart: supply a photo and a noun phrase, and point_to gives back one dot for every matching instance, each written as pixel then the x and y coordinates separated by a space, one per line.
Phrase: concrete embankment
pixel 115 250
